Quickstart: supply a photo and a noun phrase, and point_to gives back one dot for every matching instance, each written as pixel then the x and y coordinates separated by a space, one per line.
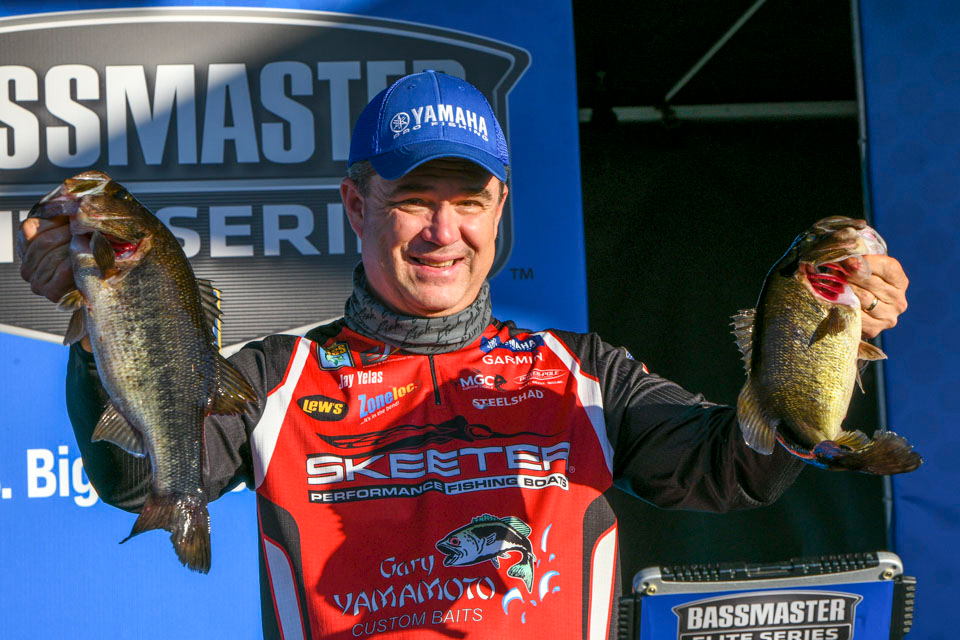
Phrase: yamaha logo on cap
pixel 399 122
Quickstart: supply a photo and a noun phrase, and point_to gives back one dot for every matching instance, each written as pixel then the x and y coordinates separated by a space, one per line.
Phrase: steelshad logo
pixel 769 615
pixel 236 143
pixel 323 408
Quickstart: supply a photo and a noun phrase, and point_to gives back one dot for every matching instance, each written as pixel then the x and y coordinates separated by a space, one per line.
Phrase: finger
pixel 39 239
pixel 53 275
pixel 889 270
pixel 876 289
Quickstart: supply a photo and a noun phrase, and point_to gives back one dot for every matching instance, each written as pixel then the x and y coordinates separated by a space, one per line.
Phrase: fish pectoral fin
pixel 77 328
pixel 759 430
pixel 869 352
pixel 113 427
pixel 743 322
pixel 234 393
pixel 103 253
pixel 866 353
pixel 832 325
pixel 210 302
pixel 490 539
pixel 495 561
pixel 71 301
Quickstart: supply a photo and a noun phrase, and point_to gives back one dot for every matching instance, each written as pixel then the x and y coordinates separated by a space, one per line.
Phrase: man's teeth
pixel 431 263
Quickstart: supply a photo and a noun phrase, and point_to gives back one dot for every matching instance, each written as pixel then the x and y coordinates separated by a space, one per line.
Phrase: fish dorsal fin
pixel 519 525
pixel 234 393
pixel 103 253
pixel 759 431
pixel 852 439
pixel 113 427
pixel 743 330
pixel 210 301
pixel 485 518
pixel 832 325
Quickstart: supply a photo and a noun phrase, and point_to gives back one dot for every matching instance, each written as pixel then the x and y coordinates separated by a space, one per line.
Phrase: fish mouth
pixel 123 249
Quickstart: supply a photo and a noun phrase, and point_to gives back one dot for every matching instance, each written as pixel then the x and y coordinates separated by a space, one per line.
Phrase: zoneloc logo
pixel 379 404
pixel 323 408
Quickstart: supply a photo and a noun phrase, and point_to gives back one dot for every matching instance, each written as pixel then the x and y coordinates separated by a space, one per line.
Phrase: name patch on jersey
pixel 507 401
pixel 323 408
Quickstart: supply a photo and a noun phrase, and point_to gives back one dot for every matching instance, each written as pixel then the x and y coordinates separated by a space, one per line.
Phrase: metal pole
pixel 713 50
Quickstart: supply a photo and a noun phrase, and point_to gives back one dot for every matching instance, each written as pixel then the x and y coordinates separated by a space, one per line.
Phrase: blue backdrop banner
pixel 911 72
pixel 232 123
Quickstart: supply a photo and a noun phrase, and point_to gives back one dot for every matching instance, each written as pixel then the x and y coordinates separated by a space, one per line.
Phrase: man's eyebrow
pixel 478 191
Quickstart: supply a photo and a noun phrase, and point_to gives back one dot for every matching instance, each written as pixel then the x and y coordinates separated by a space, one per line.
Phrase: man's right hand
pixel 44 249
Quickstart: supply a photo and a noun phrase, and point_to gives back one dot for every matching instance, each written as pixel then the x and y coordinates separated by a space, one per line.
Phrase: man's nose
pixel 444 226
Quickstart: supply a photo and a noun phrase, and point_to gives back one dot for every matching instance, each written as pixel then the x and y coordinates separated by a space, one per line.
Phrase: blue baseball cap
pixel 425 116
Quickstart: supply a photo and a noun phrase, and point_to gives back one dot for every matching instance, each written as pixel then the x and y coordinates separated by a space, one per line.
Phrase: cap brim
pixel 394 164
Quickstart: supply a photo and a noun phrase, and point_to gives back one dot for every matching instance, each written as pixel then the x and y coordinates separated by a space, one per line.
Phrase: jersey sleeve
pixel 671 447
pixel 123 480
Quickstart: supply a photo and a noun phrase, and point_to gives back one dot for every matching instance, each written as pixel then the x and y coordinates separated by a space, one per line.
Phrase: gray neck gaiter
pixel 367 316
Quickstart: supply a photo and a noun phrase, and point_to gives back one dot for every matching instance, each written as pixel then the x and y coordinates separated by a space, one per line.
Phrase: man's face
pixel 428 237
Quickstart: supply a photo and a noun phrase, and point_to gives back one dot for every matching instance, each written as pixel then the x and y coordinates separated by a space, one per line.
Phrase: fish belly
pixel 157 366
pixel 805 382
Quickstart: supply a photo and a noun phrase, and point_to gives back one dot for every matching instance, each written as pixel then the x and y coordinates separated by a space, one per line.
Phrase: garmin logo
pixel 442 115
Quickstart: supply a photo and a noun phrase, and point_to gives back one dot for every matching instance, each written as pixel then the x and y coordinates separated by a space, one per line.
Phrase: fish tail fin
pixel 524 571
pixel 187 520
pixel 759 431
pixel 886 454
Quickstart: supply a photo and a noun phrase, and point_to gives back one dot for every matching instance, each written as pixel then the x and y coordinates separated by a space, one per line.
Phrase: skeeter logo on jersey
pixel 400 455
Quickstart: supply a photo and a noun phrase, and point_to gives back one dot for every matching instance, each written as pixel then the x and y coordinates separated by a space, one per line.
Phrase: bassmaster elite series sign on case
pixel 233 125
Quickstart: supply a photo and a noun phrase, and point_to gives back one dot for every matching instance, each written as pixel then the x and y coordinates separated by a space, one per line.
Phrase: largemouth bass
pixel 150 323
pixel 802 349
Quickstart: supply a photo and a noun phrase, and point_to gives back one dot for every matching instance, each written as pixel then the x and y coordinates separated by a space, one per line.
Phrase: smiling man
pixel 423 469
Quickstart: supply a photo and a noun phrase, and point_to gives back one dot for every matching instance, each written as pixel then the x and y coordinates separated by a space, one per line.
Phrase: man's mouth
pixel 436 264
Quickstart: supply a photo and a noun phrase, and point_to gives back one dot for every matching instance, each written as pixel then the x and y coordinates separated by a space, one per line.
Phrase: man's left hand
pixel 882 296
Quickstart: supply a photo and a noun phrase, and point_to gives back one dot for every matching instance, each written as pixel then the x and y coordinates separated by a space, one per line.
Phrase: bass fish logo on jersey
pixel 335 356
pixel 490 538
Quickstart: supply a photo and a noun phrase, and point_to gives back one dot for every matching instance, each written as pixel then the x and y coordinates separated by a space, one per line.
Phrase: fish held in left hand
pixel 803 352
pixel 151 327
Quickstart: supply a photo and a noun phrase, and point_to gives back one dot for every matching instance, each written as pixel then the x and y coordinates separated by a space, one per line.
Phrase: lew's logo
pixel 769 615
pixel 237 145
pixel 323 408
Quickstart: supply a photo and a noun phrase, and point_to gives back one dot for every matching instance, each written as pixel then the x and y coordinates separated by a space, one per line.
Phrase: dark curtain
pixel 682 223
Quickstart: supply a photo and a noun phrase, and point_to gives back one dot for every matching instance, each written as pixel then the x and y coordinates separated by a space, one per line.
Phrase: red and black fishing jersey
pixel 460 494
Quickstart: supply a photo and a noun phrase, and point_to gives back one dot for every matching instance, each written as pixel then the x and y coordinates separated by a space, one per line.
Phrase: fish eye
pixel 455 542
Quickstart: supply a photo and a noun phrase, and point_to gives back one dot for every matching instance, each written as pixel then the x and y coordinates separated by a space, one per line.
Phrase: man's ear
pixel 353 205
pixel 503 200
